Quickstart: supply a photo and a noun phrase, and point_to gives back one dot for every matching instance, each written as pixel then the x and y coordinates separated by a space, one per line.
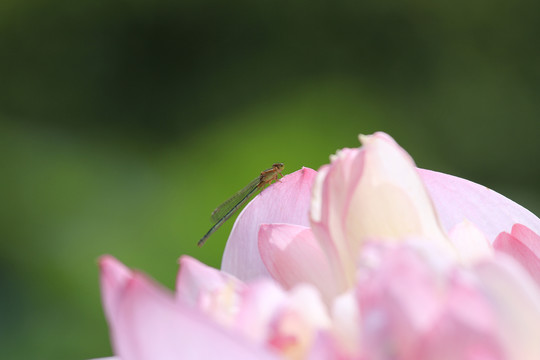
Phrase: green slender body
pixel 224 211
pixel 226 217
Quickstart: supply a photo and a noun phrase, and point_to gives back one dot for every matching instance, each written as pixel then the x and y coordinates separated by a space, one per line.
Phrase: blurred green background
pixel 124 123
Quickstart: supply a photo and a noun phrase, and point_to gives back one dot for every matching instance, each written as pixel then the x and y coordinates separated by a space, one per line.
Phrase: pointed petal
pixel 214 292
pixel 113 280
pixel 390 199
pixel 287 202
pixel 292 256
pixel 371 192
pixel 458 199
pixel 524 246
pixel 196 279
pixel 331 191
pixel 527 237
pixel 150 324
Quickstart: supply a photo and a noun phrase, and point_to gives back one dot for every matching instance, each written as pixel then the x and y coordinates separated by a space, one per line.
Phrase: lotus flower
pixel 368 258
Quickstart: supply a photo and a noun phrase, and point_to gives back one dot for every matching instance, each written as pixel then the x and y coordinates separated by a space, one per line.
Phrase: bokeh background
pixel 124 123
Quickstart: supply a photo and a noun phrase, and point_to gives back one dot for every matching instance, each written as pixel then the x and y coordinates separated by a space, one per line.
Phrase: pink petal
pixel 295 324
pixel 331 191
pixel 286 322
pixel 390 199
pixel 458 199
pixel 346 323
pixel 293 256
pixel 470 242
pixel 260 302
pixel 287 202
pixel 515 298
pixel 410 308
pixel 401 290
pixel 371 192
pixel 528 237
pixel 451 339
pixel 466 327
pixel 524 246
pixel 399 301
pixel 150 324
pixel 305 300
pixel 114 277
pixel 325 347
pixel 196 279
pixel 214 292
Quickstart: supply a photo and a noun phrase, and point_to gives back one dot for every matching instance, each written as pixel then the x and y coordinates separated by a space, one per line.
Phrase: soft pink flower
pixel 369 258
